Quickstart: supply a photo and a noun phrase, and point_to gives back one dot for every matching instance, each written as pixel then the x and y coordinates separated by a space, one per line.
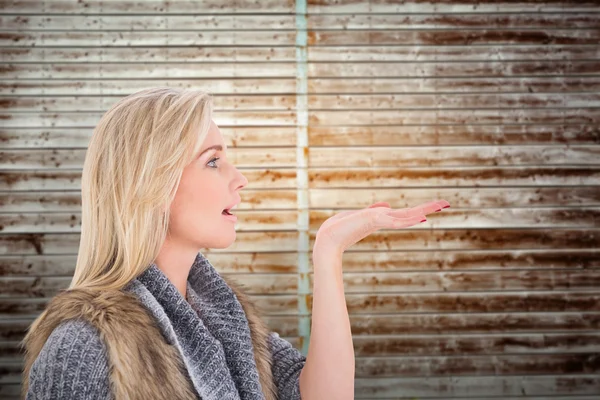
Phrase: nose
pixel 243 180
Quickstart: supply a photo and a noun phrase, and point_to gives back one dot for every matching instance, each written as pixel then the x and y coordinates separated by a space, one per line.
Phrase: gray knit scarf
pixel 211 331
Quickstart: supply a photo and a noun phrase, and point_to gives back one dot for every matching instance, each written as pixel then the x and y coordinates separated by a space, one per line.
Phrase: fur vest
pixel 131 376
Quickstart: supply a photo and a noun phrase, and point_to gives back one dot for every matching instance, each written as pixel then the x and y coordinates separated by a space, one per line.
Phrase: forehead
pixel 214 136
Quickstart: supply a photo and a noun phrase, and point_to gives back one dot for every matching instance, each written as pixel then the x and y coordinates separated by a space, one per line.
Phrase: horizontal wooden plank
pixel 247 157
pixel 475 239
pixel 415 101
pixel 126 87
pixel 488 387
pixel 151 38
pixel 10 351
pixel 457 177
pixel 221 103
pixel 341 157
pixel 473 365
pixel 160 7
pixel 272 305
pixel 353 262
pixel 437 37
pixel 473 84
pixel 23 71
pixel 314 22
pixel 478 365
pixel 416 85
pixel 408 303
pixel 471 344
pixel 513 343
pixel 269 220
pixel 484 397
pixel 315 54
pixel 429 117
pixel 550 387
pixel 26 287
pixel 234 136
pixel 338 117
pixel 390 135
pixel 240 263
pixel 552 301
pixel 166 54
pixel 69 202
pixel 448 6
pixel 383 178
pixel 467 197
pixel 63 243
pixel 280 6
pixel 13 327
pixel 146 71
pixel 514 322
pixel 368 69
pixel 71 180
pixel 412 37
pixel 79 137
pixel 79 119
pixel 431 156
pixel 342 199
pixel 531 364
pixel 472 281
pixel 408 239
pixel 324 102
pixel 186 22
pixel 438 20
pixel 407 53
pixel 354 283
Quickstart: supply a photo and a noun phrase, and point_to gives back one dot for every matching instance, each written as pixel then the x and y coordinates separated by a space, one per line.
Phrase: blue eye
pixel 213 160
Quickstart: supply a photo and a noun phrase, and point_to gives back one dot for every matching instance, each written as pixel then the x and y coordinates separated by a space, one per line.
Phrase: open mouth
pixel 226 212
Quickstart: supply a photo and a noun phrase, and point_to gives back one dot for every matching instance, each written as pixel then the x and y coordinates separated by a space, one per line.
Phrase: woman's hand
pixel 343 230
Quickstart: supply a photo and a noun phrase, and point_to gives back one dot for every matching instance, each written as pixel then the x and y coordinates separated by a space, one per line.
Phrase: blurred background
pixel 332 105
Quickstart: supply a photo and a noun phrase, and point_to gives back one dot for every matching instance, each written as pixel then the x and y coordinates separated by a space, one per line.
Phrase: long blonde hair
pixel 131 172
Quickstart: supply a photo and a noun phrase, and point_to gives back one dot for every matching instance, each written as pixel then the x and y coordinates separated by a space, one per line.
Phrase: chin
pixel 221 242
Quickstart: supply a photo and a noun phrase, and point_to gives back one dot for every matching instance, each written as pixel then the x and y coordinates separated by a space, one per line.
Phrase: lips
pixel 227 210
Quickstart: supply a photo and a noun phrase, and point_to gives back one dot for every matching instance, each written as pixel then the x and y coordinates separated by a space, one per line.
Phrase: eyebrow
pixel 216 146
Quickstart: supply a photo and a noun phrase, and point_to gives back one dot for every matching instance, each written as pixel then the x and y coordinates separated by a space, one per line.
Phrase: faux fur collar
pixel 150 333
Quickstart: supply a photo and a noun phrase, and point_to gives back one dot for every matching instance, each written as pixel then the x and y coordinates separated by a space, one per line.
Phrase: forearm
pixel 329 369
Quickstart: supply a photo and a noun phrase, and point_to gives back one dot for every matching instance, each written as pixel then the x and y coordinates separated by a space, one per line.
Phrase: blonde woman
pixel 146 315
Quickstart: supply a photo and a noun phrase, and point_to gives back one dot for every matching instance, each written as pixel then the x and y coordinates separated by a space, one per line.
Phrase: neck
pixel 175 262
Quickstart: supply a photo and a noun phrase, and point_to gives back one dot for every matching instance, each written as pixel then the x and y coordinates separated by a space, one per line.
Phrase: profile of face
pixel 209 184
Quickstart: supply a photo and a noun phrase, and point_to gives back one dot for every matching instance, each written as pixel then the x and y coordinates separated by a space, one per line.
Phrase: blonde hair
pixel 131 172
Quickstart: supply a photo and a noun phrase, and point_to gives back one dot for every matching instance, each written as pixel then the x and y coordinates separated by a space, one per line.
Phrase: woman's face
pixel 209 184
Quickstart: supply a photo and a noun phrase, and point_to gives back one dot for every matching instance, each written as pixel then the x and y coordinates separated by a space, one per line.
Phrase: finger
pixel 380 204
pixel 386 218
pixel 342 214
pixel 431 207
pixel 392 222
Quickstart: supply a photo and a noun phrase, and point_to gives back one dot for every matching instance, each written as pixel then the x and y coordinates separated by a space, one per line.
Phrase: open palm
pixel 345 229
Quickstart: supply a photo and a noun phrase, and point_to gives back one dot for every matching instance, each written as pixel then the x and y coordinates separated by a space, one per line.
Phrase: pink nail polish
pixel 424 220
pixel 438 210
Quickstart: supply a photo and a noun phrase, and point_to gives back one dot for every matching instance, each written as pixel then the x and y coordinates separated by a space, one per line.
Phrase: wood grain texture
pixel 493 106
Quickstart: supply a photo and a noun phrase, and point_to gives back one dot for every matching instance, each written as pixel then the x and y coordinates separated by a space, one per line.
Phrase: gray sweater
pixel 210 331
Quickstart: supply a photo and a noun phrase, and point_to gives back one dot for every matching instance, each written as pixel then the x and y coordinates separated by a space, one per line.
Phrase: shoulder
pixel 72 364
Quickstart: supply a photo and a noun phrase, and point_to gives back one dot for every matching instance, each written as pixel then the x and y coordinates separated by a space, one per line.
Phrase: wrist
pixel 327 258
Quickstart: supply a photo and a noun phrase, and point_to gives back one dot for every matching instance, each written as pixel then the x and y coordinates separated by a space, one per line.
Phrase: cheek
pixel 196 199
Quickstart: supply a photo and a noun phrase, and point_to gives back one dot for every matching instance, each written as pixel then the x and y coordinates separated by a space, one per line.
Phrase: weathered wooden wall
pixel 493 106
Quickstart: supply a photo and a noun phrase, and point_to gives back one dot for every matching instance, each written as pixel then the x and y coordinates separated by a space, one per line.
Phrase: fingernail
pixel 446 207
pixel 424 220
pixel 439 210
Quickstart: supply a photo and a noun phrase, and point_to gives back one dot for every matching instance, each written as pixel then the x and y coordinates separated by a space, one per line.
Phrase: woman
pixel 146 315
